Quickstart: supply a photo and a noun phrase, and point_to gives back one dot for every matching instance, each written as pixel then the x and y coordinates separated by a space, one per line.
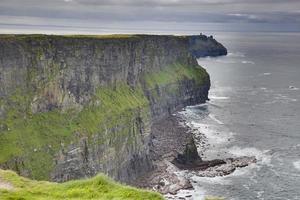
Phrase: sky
pixel 145 16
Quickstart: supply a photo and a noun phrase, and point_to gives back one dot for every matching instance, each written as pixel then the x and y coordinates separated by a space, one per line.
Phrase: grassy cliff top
pixel 40 36
pixel 111 36
pixel 100 187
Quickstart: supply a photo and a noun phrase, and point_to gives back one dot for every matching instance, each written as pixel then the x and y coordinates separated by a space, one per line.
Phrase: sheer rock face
pixel 41 75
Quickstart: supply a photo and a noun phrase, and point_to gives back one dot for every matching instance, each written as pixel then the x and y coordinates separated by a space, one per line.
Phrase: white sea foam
pixel 214 105
pixel 197 194
pixel 260 194
pixel 265 74
pixel 213 136
pixel 217 97
pixel 284 99
pixel 226 61
pixel 293 88
pixel 236 54
pixel 243 171
pixel 297 164
pixel 217 180
pixel 248 62
pixel 189 115
pixel 219 89
pixel 213 117
pixel 261 156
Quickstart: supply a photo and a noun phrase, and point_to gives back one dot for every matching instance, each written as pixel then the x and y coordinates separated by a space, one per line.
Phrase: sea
pixel 254 110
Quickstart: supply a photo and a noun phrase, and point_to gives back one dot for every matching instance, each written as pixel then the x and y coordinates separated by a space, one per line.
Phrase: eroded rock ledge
pixel 174 151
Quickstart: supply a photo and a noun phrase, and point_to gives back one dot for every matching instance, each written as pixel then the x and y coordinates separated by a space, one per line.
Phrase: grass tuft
pixel 98 188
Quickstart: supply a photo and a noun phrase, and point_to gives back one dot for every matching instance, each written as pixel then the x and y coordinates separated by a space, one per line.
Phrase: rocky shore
pixel 174 151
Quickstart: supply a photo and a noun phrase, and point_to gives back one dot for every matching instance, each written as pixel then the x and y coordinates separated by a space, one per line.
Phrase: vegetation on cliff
pixel 97 188
pixel 58 92
pixel 176 73
pixel 36 138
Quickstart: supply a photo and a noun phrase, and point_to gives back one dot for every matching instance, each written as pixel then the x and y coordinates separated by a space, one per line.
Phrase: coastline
pixel 172 137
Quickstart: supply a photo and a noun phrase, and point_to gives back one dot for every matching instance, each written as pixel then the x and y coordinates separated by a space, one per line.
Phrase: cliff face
pixel 201 46
pixel 73 106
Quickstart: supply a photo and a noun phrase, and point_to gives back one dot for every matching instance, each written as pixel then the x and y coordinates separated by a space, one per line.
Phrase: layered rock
pixel 74 106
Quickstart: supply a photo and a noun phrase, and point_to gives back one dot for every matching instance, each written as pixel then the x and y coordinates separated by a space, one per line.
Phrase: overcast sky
pixel 156 16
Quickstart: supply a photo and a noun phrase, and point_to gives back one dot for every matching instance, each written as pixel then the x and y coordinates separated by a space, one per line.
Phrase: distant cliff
pixel 202 46
pixel 73 106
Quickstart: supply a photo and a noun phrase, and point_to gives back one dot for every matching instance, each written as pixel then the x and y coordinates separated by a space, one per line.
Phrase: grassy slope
pixel 97 188
pixel 175 73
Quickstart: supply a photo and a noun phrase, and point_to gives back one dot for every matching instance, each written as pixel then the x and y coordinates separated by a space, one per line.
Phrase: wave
pixel 236 54
pixel 213 117
pixel 217 180
pixel 297 164
pixel 248 62
pixel 284 99
pixel 293 88
pixel 212 134
pixel 214 105
pixel 218 97
pixel 265 74
pixel 226 61
pixel 261 156
pixel 234 61
pixel 197 193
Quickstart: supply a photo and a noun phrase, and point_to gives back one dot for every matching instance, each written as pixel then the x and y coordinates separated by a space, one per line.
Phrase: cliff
pixel 202 46
pixel 74 106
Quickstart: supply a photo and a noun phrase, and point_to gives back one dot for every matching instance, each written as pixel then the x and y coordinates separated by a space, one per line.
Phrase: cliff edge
pixel 74 106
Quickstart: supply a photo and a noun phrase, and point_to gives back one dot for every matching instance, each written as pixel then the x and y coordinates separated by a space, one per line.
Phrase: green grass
pixel 38 37
pixel 97 188
pixel 112 101
pixel 175 73
pixel 36 138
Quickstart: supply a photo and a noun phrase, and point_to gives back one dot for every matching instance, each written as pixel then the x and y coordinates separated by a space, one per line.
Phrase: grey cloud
pixel 94 13
pixel 177 2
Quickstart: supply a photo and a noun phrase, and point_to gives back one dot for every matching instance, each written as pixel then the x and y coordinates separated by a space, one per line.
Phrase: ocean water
pixel 254 109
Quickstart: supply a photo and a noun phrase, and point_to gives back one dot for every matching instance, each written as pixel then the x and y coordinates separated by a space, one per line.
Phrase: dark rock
pixel 190 155
pixel 228 166
pixel 202 46
pixel 198 165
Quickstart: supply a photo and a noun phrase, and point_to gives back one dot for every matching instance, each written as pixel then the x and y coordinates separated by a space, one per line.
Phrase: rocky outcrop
pixel 174 152
pixel 202 46
pixel 74 106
